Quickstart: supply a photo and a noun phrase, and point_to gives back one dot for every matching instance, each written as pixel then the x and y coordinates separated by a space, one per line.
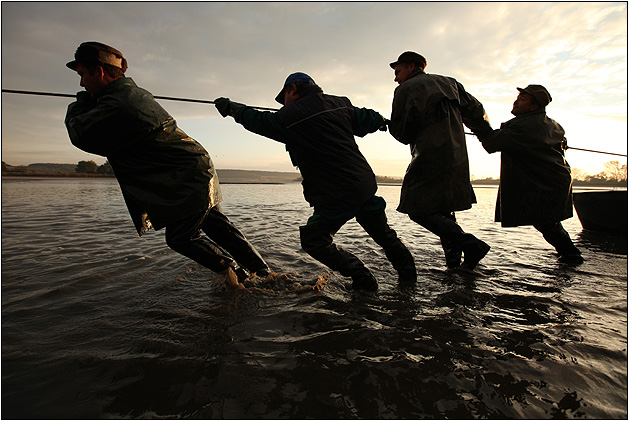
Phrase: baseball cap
pixel 292 78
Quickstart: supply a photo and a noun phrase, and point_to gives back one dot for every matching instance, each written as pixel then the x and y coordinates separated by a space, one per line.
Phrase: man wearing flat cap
pixel 167 179
pixel 535 178
pixel 428 114
pixel 318 130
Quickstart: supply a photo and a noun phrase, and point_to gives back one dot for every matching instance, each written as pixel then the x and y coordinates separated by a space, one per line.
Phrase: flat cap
pixel 96 52
pixel 541 95
pixel 410 57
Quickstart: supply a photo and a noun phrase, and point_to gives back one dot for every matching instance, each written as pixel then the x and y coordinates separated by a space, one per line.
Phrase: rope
pixel 576 149
pixel 204 101
pixel 169 98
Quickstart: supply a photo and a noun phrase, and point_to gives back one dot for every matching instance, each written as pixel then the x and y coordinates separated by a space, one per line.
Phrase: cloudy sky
pixel 244 51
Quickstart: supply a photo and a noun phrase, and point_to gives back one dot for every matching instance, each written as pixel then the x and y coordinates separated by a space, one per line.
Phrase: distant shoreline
pixel 279 178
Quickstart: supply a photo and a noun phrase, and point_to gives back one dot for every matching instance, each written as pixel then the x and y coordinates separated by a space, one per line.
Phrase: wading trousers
pixel 317 238
pixel 454 240
pixel 222 246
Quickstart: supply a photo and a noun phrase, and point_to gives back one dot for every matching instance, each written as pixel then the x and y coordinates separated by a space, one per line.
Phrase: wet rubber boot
pixel 454 238
pixel 473 250
pixel 375 224
pixel 318 243
pixel 452 251
pixel 453 254
pixel 402 261
pixel 558 237
pixel 221 230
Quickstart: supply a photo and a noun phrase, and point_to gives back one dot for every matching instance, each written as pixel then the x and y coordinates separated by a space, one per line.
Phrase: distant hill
pixel 259 177
pixel 225 176
pixel 52 168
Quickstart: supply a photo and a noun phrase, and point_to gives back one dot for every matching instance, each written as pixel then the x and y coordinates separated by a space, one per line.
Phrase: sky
pixel 245 50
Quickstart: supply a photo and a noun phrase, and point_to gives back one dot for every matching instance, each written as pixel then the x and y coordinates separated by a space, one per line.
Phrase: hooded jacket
pixel 164 175
pixel 428 114
pixel 318 131
pixel 535 178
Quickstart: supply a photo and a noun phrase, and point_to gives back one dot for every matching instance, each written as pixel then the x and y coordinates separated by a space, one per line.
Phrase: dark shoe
pixel 263 273
pixel 474 254
pixel 453 258
pixel 453 253
pixel 364 281
pixel 407 275
pixel 241 273
pixel 573 258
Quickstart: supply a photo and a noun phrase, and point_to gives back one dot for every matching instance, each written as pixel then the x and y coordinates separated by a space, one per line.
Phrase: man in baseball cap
pixel 293 78
pixel 318 130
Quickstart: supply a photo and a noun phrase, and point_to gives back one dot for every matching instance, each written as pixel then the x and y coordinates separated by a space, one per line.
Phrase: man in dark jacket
pixel 167 179
pixel 318 131
pixel 535 179
pixel 428 114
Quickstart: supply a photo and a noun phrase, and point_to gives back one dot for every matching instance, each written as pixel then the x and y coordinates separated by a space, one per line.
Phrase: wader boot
pixel 223 246
pixel 375 224
pixel 452 252
pixel 317 241
pixel 558 237
pixel 453 239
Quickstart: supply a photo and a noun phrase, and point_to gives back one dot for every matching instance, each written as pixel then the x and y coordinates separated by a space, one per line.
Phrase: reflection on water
pixel 97 323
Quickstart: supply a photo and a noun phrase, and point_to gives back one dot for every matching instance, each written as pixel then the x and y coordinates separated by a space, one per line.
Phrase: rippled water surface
pixel 98 323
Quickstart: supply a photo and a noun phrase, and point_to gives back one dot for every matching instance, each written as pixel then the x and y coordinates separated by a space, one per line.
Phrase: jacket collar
pixel 416 72
pixel 117 84
pixel 534 112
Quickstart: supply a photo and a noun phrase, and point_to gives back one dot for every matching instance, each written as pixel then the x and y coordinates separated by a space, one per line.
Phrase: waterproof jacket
pixel 318 131
pixel 535 179
pixel 428 114
pixel 164 175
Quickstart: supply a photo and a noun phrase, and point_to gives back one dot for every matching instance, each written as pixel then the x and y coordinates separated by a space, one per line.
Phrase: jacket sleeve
pixel 473 113
pixel 264 123
pixel 403 126
pixel 99 127
pixel 513 136
pixel 366 121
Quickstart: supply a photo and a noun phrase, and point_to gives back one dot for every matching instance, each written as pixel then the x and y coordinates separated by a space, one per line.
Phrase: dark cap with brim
pixel 410 57
pixel 541 95
pixel 96 52
pixel 295 77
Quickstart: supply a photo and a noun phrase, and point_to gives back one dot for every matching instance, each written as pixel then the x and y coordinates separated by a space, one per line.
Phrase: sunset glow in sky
pixel 244 51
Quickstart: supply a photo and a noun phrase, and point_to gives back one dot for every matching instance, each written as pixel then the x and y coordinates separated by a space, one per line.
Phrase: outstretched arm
pixel 367 121
pixel 264 123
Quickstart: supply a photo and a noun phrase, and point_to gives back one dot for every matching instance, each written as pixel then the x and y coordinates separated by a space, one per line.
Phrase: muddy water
pixel 97 323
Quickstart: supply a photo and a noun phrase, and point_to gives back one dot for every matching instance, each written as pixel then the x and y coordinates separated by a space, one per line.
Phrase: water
pixel 98 323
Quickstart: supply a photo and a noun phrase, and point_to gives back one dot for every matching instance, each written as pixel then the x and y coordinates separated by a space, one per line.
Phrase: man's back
pixel 321 143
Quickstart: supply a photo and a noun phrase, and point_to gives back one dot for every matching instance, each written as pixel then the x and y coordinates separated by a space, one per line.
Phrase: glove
pixel 383 128
pixel 223 106
pixel 85 98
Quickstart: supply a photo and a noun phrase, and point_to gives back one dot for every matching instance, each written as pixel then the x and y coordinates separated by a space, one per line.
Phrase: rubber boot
pixel 221 230
pixel 317 241
pixel 453 238
pixel 558 237
pixel 375 224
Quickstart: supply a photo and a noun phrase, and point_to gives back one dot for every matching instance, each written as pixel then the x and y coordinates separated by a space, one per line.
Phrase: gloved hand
pixel 223 106
pixel 85 97
pixel 383 128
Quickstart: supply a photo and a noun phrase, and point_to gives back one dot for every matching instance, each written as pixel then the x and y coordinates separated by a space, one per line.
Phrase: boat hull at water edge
pixel 603 211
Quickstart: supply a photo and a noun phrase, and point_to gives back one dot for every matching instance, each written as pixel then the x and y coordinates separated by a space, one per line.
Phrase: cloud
pixel 245 51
